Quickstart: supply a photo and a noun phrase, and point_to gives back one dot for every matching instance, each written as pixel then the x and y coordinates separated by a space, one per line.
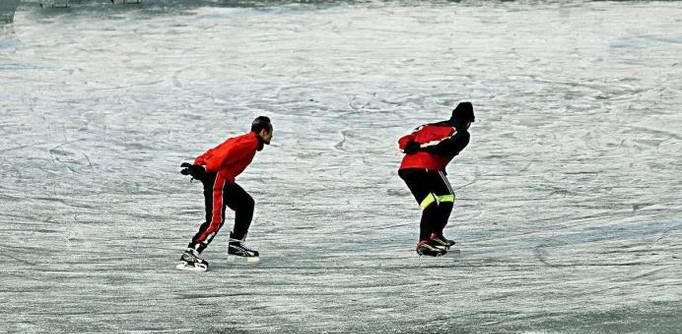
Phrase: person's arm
pixel 214 158
pixel 452 145
pixel 403 141
pixel 218 159
pixel 234 152
pixel 407 144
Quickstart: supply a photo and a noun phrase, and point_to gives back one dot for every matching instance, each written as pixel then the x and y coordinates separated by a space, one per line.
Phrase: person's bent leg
pixel 443 216
pixel 243 205
pixel 430 214
pixel 446 200
pixel 420 182
pixel 214 201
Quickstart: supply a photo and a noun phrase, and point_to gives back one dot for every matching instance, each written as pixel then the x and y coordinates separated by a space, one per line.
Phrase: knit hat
pixel 464 112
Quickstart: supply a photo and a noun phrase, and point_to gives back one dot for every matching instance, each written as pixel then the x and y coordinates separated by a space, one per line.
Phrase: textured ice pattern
pixel 569 213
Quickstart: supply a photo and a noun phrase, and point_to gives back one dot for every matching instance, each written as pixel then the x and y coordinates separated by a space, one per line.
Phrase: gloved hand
pixel 196 171
pixel 411 147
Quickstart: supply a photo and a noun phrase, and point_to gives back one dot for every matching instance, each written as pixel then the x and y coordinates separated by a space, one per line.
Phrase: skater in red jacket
pixel 217 169
pixel 428 150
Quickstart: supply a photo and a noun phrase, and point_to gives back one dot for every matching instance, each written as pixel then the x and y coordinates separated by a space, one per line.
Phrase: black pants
pixel 218 193
pixel 434 195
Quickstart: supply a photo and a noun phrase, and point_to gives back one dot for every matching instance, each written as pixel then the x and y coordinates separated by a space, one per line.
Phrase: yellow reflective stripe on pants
pixel 430 198
pixel 446 198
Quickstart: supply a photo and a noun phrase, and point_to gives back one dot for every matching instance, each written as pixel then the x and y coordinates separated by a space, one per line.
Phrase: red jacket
pixel 438 143
pixel 230 158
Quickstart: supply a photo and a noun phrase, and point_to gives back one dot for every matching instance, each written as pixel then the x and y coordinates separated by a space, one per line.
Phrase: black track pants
pixel 434 195
pixel 218 193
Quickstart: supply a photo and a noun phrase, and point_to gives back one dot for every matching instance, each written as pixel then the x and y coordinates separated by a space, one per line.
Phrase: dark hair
pixel 261 123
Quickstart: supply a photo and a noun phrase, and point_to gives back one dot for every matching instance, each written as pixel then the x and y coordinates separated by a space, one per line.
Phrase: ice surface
pixel 569 209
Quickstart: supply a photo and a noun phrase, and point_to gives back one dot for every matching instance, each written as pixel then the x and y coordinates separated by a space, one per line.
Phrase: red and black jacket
pixel 438 143
pixel 231 157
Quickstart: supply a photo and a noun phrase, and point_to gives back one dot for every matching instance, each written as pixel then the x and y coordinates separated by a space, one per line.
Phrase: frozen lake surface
pixel 569 210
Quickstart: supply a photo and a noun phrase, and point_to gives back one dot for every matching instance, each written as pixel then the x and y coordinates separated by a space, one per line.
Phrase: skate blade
pixel 448 253
pixel 186 267
pixel 243 259
pixel 431 255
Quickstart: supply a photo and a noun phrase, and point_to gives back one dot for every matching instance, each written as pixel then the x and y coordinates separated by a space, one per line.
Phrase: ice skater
pixel 428 150
pixel 217 169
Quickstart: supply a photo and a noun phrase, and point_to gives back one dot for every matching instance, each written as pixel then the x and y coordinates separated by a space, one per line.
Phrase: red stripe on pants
pixel 217 213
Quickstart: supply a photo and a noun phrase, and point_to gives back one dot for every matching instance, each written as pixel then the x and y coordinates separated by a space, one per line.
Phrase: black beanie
pixel 464 112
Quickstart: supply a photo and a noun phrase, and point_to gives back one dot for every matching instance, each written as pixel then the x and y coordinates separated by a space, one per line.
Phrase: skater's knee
pixel 248 203
pixel 241 203
pixel 438 200
pixel 429 200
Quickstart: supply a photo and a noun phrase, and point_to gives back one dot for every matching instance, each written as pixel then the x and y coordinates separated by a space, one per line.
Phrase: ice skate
pixel 430 248
pixel 191 261
pixel 237 251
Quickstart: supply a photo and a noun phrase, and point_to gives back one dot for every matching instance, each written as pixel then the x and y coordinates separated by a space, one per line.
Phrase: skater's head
pixel 463 115
pixel 263 128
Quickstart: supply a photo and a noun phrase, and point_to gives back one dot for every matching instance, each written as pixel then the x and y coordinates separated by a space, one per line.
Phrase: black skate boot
pixel 442 242
pixel 430 248
pixel 191 261
pixel 236 250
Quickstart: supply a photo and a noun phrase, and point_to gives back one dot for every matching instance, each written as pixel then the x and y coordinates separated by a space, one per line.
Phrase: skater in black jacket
pixel 428 150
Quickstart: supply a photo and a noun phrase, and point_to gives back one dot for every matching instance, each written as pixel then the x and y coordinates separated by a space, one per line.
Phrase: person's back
pixel 433 152
pixel 231 157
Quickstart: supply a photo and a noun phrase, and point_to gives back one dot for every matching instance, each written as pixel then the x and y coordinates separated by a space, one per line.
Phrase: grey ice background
pixel 569 209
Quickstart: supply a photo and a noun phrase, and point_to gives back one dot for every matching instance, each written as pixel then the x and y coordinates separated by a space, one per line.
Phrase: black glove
pixel 196 171
pixel 411 147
